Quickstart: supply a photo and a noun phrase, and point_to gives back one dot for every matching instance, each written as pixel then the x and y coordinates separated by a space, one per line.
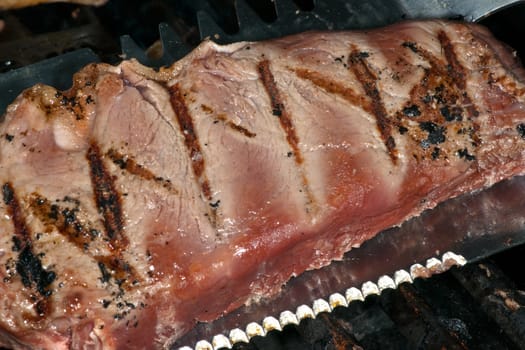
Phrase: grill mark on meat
pixel 235 127
pixel 22 236
pixel 333 87
pixel 457 71
pixel 440 95
pixel 64 219
pixel 224 118
pixel 128 164
pixel 279 110
pixel 121 271
pixel 28 264
pixel 451 69
pixel 107 198
pixel 191 141
pixel 108 201
pixel 368 80
pixel 66 222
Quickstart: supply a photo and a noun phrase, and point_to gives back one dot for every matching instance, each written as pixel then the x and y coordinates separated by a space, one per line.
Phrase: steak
pixel 140 202
pixel 12 4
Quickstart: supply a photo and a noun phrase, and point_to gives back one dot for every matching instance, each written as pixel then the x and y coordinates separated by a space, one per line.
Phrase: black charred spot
pixel 435 153
pixel 451 115
pixel 17 244
pixel 10 267
pixel 445 112
pixel 120 281
pixel 363 54
pixel 412 111
pixel 9 137
pixel 53 212
pixel 105 303
pixel 426 99
pixel 71 200
pixel 8 194
pixel 402 130
pixel 463 153
pixel 438 94
pixel 30 269
pixel 436 134
pixel 89 99
pixel 410 45
pixel 125 266
pixel 521 130
pixel 106 275
pixel 277 110
pixel 216 204
pixel 120 162
pixel 289 154
pixel 390 143
pixel 69 216
pixel 457 114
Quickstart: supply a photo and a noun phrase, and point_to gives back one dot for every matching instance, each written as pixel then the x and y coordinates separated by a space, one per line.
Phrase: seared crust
pixel 139 202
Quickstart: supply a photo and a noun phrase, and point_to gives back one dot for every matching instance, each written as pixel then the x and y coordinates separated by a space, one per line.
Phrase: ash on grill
pixel 480 306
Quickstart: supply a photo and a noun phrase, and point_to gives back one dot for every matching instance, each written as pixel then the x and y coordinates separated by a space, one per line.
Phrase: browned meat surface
pixel 140 202
pixel 12 4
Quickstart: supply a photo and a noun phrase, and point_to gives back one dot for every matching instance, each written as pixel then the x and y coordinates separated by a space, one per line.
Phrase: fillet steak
pixel 140 202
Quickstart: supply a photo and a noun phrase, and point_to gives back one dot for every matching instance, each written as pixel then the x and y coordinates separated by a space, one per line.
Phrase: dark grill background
pixel 476 307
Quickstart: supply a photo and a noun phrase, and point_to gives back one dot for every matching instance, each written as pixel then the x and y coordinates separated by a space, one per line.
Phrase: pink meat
pixel 140 202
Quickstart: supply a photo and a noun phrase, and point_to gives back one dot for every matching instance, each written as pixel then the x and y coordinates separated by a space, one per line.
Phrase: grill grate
pixel 474 307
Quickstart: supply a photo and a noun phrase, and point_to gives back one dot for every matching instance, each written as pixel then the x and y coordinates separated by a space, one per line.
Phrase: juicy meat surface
pixel 138 202
pixel 12 4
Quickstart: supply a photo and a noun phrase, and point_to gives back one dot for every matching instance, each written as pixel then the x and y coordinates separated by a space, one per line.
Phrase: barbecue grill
pixel 478 306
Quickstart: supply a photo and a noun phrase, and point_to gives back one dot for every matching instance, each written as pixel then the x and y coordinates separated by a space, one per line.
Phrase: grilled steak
pixel 139 202
pixel 12 4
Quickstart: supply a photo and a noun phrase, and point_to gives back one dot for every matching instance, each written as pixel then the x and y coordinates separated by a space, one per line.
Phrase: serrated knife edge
pixel 432 266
